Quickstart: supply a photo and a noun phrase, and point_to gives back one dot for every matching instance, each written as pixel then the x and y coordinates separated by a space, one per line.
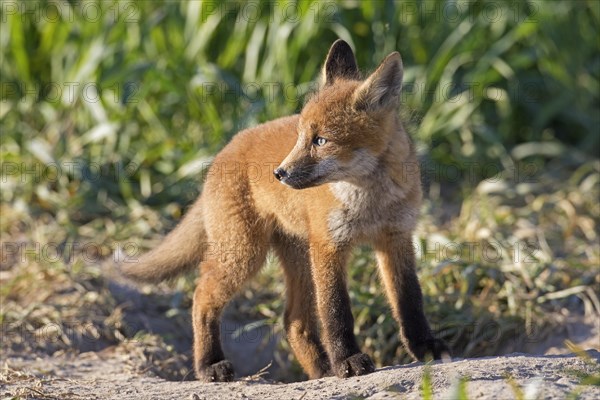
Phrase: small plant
pixel 585 378
pixel 427 383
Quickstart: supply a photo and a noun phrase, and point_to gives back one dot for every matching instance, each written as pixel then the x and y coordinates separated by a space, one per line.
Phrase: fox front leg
pixel 333 306
pixel 396 260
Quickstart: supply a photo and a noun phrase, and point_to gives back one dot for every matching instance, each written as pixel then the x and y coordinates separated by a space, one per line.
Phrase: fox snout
pixel 298 176
pixel 306 174
pixel 291 177
pixel 280 174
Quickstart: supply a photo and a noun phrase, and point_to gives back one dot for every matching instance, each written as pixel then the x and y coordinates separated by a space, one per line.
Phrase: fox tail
pixel 181 250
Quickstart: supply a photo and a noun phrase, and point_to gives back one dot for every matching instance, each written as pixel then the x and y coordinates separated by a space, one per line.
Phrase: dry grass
pixel 481 305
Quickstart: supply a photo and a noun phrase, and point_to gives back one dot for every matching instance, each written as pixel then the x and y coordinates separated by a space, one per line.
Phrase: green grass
pixel 427 385
pixel 507 91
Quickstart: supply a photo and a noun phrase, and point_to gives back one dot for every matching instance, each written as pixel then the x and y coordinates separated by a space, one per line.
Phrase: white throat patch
pixel 375 203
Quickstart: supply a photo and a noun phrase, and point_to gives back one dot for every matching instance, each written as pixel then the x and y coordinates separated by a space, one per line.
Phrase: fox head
pixel 346 126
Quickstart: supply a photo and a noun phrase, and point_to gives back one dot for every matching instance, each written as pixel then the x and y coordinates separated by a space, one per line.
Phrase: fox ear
pixel 340 63
pixel 382 88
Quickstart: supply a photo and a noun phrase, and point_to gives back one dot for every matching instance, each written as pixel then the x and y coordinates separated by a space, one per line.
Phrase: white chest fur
pixel 367 209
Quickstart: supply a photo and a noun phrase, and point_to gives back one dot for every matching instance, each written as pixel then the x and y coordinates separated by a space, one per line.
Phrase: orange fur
pixel 358 183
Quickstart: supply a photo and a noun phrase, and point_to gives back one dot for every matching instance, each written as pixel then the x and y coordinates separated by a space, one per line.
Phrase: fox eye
pixel 319 141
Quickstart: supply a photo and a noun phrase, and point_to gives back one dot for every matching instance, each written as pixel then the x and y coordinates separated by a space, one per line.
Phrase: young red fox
pixel 345 173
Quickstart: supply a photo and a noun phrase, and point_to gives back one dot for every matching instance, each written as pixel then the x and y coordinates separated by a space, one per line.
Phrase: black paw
pixel 435 349
pixel 217 372
pixel 358 364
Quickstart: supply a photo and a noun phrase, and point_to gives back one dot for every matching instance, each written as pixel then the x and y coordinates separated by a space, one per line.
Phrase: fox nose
pixel 280 174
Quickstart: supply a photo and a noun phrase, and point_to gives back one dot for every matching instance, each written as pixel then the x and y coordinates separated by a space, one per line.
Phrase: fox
pixel 309 187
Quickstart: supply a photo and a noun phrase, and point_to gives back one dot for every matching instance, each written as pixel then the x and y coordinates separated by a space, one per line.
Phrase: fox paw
pixel 358 364
pixel 435 349
pixel 221 371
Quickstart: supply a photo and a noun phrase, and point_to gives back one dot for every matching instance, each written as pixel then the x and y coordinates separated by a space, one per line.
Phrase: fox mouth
pixel 300 182
pixel 311 175
pixel 303 178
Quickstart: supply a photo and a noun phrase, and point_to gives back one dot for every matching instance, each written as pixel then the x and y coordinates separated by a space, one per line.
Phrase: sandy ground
pixel 111 374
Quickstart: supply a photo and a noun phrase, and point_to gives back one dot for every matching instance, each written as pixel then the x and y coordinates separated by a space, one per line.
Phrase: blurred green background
pixel 111 111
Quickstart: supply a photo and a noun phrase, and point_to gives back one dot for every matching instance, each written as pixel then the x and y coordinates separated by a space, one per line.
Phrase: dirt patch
pixel 115 374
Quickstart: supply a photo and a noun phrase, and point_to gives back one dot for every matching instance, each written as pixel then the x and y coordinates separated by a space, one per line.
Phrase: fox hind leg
pixel 300 316
pixel 238 252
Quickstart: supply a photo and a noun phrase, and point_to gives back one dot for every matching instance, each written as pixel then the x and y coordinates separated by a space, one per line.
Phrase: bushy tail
pixel 180 251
